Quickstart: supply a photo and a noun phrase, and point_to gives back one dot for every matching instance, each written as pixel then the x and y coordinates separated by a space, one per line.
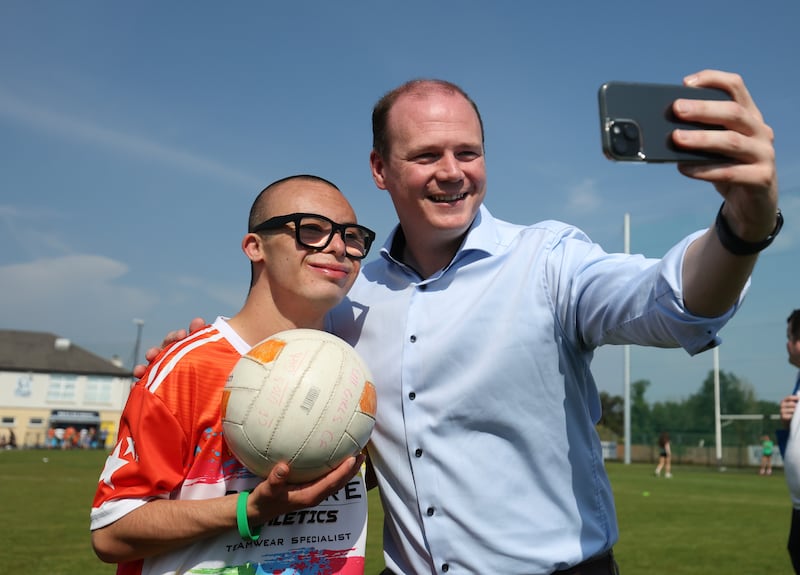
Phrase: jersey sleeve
pixel 148 461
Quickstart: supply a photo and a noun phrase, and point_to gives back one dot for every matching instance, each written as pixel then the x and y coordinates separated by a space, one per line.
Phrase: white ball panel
pixel 240 446
pixel 360 428
pixel 345 448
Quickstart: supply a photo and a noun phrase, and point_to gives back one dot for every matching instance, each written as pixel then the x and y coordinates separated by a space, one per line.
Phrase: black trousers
pixel 794 540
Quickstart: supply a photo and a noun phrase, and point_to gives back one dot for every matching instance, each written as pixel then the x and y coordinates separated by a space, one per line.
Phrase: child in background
pixel 766 455
pixel 664 456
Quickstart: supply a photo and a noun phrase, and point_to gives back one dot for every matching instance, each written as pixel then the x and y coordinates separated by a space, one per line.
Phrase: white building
pixel 47 382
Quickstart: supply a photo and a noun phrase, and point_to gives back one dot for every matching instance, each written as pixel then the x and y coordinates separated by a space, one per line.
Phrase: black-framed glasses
pixel 315 232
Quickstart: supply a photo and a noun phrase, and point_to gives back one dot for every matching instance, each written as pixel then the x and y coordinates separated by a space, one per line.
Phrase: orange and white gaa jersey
pixel 170 446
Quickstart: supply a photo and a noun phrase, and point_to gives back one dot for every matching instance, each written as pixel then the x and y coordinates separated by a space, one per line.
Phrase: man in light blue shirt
pixel 480 335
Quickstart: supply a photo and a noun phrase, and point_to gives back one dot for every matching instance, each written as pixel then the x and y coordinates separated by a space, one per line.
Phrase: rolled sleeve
pixel 693 333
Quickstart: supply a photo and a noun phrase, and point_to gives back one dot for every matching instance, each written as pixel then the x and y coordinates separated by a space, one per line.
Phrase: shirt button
pixel 418 453
pixel 413 338
pixel 412 396
pixel 430 511
pixel 445 568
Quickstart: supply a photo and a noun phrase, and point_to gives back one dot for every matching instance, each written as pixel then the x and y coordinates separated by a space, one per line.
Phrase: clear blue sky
pixel 135 135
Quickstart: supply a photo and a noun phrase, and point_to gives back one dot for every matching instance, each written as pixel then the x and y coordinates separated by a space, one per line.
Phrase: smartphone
pixel 636 122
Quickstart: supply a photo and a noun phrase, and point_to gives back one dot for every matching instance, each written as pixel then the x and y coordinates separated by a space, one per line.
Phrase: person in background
pixel 172 498
pixel 480 334
pixel 664 456
pixel 102 437
pixel 766 455
pixel 59 435
pixel 70 438
pixel 788 437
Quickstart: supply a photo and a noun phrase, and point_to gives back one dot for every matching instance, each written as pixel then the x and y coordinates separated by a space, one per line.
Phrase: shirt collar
pixel 482 236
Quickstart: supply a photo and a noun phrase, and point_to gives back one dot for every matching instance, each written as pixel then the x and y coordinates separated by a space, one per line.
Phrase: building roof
pixel 43 352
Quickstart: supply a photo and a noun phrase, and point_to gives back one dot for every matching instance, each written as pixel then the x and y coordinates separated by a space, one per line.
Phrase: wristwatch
pixel 737 245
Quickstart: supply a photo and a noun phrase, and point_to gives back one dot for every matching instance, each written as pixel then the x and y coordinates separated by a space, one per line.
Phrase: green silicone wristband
pixel 241 517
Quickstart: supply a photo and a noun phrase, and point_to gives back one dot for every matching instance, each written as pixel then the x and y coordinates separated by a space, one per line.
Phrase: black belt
pixel 602 565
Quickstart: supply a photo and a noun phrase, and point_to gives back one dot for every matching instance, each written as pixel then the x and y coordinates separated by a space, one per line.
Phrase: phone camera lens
pixel 631 132
pixel 625 138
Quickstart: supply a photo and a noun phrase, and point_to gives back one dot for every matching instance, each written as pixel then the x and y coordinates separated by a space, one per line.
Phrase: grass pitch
pixel 699 522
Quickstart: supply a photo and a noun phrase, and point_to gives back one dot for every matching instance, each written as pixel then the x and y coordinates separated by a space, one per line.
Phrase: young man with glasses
pixel 171 497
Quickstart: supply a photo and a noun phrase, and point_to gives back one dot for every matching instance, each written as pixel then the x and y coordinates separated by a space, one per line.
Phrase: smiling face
pixel 434 169
pixel 303 283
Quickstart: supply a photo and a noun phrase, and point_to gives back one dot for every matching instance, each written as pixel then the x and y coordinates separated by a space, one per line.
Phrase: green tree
pixel 641 420
pixel 736 397
pixel 769 409
pixel 612 421
pixel 689 421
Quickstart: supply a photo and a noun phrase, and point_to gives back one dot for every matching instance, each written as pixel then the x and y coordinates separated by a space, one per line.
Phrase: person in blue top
pixel 480 334
pixel 789 438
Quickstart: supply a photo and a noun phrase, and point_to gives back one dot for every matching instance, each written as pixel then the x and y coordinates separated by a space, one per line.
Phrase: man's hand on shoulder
pixel 173 336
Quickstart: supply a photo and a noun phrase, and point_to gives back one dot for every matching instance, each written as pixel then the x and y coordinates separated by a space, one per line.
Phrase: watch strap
pixel 736 245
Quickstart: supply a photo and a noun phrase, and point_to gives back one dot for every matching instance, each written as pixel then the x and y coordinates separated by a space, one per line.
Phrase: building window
pixel 36 422
pixel 7 421
pixel 61 388
pixel 98 390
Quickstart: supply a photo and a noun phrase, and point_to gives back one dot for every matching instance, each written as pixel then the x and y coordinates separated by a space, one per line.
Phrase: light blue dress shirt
pixel 485 446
